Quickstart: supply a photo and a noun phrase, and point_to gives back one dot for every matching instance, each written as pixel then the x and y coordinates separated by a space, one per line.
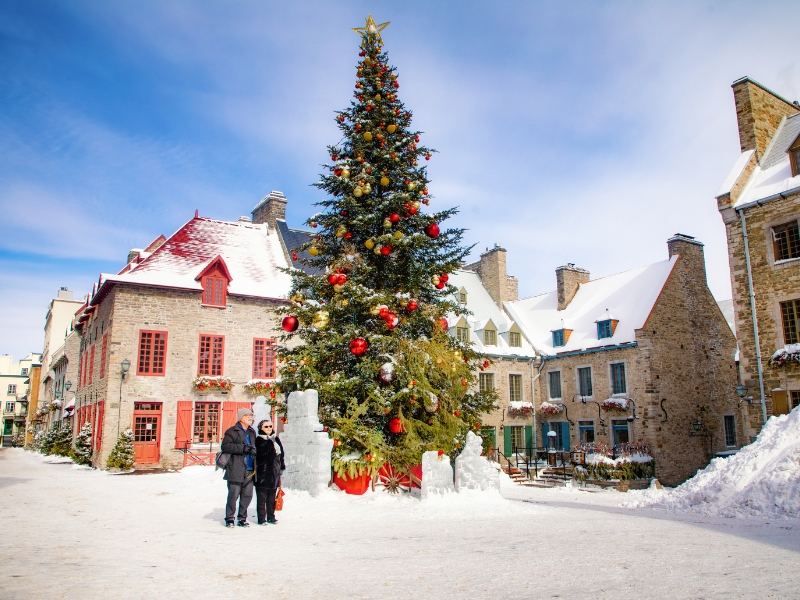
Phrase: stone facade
pixel 760 112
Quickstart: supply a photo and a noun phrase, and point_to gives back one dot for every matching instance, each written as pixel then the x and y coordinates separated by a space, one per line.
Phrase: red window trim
pixel 269 343
pixel 104 351
pixel 91 365
pixel 139 364
pixel 210 373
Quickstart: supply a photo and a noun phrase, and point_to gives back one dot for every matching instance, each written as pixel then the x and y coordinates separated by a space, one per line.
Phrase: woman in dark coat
pixel 269 466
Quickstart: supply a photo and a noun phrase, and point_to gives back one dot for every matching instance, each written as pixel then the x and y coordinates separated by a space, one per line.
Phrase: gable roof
pixel 629 296
pixel 293 239
pixel 773 176
pixel 252 254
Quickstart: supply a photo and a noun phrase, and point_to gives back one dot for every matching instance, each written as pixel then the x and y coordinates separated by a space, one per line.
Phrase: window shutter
pixel 565 435
pixel 507 441
pixel 545 439
pixel 97 439
pixel 183 428
pixel 229 414
pixel 528 436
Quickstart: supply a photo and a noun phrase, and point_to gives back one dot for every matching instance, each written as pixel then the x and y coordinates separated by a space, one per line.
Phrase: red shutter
pixel 229 413
pixel 97 438
pixel 104 350
pixel 91 365
pixel 183 428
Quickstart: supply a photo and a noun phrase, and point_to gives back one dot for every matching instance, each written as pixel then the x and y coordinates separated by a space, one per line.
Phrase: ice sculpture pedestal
pixel 307 447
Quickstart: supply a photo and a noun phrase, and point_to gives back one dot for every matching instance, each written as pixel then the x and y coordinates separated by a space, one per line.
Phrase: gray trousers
pixel 243 492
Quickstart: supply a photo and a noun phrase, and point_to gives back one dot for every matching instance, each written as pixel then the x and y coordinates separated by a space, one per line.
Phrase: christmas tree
pixel 82 449
pixel 62 439
pixel 371 309
pixel 122 454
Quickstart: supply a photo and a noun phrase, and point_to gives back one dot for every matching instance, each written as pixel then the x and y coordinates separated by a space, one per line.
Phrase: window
pixel 462 334
pixel 24 371
pixel 214 291
pixel 786 241
pixel 515 340
pixel 211 360
pixel 586 432
pixel 462 297
pixel 794 157
pixel 91 365
pixel 790 312
pixel 486 381
pixel 558 338
pixel 10 407
pixel 103 352
pixel 618 385
pixel 585 381
pixel 604 330
pixel 517 438
pixel 795 395
pixel 515 388
pixel 263 359
pixel 206 423
pixel 152 353
pixel 12 388
pixel 489 337
pixel 620 428
pixel 554 383
pixel 730 431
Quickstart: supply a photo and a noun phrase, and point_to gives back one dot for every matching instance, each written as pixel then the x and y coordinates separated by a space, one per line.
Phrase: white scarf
pixel 272 438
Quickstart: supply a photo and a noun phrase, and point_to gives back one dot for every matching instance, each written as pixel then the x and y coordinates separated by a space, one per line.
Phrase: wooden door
pixel 780 405
pixel 147 432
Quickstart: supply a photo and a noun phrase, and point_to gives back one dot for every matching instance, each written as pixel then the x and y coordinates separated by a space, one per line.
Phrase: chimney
pixel 568 280
pixel 492 271
pixel 690 251
pixel 271 208
pixel 133 255
pixel 759 111
pixel 64 294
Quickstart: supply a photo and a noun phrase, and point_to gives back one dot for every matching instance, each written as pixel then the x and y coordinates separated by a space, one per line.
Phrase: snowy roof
pixel 726 306
pixel 252 253
pixel 628 296
pixel 484 309
pixel 773 175
pixel 293 239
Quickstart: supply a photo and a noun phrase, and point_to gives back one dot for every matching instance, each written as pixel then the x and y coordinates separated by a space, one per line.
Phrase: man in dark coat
pixel 240 443
pixel 269 466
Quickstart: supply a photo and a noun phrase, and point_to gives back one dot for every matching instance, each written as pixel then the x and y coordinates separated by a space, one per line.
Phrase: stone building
pixel 15 391
pixel 760 205
pixel 644 355
pixel 169 344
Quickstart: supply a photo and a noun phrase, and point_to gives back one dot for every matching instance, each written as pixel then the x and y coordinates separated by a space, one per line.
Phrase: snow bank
pixel 763 479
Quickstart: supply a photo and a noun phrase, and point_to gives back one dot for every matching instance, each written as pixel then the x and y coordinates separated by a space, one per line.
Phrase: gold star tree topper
pixel 371 28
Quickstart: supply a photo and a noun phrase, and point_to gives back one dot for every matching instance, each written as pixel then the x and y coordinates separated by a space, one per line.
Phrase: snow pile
pixel 437 474
pixel 307 445
pixel 763 479
pixel 473 471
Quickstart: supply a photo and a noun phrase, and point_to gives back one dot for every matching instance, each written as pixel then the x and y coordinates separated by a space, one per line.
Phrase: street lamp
pixel 697 425
pixel 67 385
pixel 741 390
pixel 125 365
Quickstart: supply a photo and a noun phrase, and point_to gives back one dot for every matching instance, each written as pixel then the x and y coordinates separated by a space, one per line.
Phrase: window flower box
pixel 259 386
pixel 205 383
pixel 620 404
pixel 786 357
pixel 519 409
pixel 551 408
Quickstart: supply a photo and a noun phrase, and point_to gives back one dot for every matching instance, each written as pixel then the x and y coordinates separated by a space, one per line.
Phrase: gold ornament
pixel 412 185
pixel 321 319
pixel 384 181
pixel 346 174
pixel 377 249
pixel 341 231
pixel 435 280
pixel 298 297
pixel 398 235
pixel 415 204
pixel 387 223
pixel 313 251
pixel 391 128
pixel 367 136
pixel 370 244
pixel 377 97
pixel 371 28
pixel 338 288
pixel 344 302
pixel 375 310
pixel 367 188
pixel 357 192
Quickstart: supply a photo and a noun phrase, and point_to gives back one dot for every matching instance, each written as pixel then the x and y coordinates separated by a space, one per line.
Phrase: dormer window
pixel 214 279
pixel 794 157
pixel 462 296
pixel 515 339
pixel 489 337
pixel 604 330
pixel 561 337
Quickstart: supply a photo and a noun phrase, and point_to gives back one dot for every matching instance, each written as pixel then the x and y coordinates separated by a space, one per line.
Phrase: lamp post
pixel 741 391
pixel 124 366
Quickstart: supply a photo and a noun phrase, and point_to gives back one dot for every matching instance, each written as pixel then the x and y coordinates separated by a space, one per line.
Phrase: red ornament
pixel 443 325
pixel 413 210
pixel 396 425
pixel 341 279
pixel 386 250
pixel 432 230
pixel 412 306
pixel 383 312
pixel 391 320
pixel 394 217
pixel 359 346
pixel 444 277
pixel 440 453
pixel 464 382
pixel 337 172
pixel 348 235
pixel 333 279
pixel 294 255
pixel 290 323
pixel 440 285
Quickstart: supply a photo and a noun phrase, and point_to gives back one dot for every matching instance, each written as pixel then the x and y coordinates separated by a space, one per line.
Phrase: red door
pixel 146 432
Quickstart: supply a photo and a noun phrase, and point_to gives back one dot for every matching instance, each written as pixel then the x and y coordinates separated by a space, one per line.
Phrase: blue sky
pixel 581 132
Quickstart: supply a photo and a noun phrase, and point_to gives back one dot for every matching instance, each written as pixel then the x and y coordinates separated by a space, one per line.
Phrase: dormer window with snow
pixel 489 337
pixel 606 325
pixel 462 296
pixel 786 241
pixel 561 337
pixel 515 339
pixel 214 279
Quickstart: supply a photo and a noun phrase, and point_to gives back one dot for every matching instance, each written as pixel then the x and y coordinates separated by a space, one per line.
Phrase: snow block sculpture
pixel 437 474
pixel 261 410
pixel 473 471
pixel 307 447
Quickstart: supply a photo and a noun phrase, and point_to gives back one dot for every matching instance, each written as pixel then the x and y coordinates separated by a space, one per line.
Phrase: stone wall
pixel 502 368
pixel 568 280
pixel 127 310
pixel 758 113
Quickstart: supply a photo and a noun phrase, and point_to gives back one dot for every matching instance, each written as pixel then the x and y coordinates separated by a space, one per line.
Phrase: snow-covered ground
pixel 70 532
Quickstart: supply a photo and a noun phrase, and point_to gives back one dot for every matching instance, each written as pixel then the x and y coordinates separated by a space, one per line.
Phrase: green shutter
pixel 565 435
pixel 507 441
pixel 545 439
pixel 528 436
